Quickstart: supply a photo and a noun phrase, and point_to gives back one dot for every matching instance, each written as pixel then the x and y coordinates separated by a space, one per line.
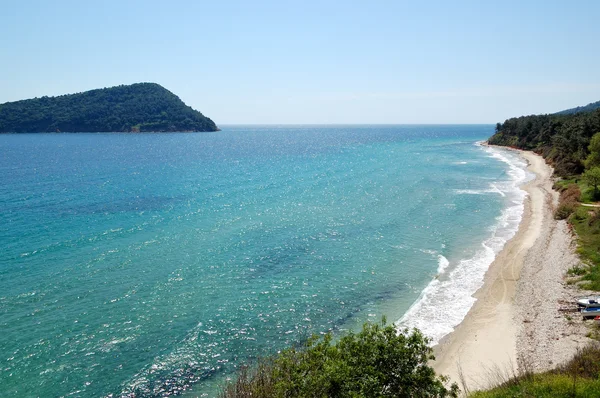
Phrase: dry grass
pixel 585 363
pixel 255 382
pixel 580 377
pixel 568 201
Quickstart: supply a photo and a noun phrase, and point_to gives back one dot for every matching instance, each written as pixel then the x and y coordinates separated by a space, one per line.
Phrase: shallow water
pixel 154 262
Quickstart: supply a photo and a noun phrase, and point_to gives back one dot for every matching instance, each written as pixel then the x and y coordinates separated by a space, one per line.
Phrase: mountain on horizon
pixel 587 108
pixel 139 107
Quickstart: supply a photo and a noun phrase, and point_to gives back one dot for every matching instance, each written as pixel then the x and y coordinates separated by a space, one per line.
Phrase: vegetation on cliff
pixel 132 108
pixel 562 139
pixel 379 361
pixel 376 362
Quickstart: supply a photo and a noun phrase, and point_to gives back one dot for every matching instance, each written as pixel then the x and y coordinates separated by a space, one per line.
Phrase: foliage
pixel 568 202
pixel 377 362
pixel 592 177
pixel 137 107
pixel 586 222
pixel 593 158
pixel 571 193
pixel 562 139
pixel 580 377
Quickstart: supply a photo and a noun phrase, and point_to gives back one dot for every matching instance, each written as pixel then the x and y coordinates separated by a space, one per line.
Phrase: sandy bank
pixel 516 319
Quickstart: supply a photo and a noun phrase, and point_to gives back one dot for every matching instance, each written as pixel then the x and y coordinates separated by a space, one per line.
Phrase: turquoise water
pixel 154 263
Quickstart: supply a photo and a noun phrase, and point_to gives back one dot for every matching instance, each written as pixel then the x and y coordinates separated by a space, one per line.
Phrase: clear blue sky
pixel 313 61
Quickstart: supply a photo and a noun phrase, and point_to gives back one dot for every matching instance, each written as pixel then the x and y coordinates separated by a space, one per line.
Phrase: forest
pixel 562 138
pixel 140 107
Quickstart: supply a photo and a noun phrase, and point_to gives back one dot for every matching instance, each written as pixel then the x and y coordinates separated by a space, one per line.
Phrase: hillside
pixel 562 138
pixel 587 108
pixel 132 108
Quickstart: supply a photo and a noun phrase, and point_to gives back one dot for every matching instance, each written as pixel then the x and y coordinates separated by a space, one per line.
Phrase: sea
pixel 156 264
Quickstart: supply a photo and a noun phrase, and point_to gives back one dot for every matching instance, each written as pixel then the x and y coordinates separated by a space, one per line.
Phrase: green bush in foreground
pixel 376 362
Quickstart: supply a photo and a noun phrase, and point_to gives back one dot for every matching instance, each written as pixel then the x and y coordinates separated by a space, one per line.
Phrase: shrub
pixel 585 363
pixel 592 178
pixel 568 201
pixel 571 194
pixel 379 361
pixel 564 210
pixel 594 217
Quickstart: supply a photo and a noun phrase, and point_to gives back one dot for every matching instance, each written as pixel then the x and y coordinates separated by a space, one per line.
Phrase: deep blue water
pixel 155 262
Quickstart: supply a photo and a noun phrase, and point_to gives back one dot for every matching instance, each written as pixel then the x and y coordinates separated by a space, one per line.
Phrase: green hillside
pixel 562 139
pixel 132 108
pixel 587 108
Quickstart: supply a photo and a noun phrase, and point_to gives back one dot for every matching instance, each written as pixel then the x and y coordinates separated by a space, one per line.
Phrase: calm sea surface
pixel 151 263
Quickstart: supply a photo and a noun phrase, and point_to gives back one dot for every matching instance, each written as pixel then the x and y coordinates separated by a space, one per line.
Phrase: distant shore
pixel 516 321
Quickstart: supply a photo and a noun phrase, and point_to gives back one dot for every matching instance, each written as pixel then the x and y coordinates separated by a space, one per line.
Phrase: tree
pixel 592 177
pixel 379 361
pixel 593 158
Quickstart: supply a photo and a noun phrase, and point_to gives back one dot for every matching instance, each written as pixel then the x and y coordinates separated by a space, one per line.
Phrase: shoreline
pixel 449 296
pixel 515 322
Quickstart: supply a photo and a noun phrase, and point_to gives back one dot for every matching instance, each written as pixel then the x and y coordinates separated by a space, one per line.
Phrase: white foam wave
pixel 471 191
pixel 443 263
pixel 493 188
pixel 445 302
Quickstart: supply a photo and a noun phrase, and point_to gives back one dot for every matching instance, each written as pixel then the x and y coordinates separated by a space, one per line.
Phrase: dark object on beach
pixel 590 312
pixel 588 301
pixel 141 107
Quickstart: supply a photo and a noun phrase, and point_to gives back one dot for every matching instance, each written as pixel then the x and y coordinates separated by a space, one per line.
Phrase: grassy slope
pixel 586 223
pixel 578 378
pixel 546 385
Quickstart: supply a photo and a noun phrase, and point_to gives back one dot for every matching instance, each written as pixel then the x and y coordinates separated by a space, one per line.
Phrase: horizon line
pixel 357 124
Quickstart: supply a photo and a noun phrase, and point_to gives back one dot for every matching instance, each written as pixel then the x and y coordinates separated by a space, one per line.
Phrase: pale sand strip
pixel 516 318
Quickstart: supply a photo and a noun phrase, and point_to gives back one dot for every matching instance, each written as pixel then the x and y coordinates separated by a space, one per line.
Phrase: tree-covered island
pixel 140 107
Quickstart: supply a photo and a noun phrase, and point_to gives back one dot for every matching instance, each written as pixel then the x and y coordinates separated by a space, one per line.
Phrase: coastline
pixel 515 322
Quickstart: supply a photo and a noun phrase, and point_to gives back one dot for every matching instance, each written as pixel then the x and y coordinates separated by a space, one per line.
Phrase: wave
pixel 446 300
pixel 443 263
pixel 493 188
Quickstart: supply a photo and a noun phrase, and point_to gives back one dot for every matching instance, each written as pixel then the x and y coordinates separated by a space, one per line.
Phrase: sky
pixel 313 62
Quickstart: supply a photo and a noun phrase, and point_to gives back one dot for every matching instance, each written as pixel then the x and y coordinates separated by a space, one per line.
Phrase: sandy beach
pixel 517 319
